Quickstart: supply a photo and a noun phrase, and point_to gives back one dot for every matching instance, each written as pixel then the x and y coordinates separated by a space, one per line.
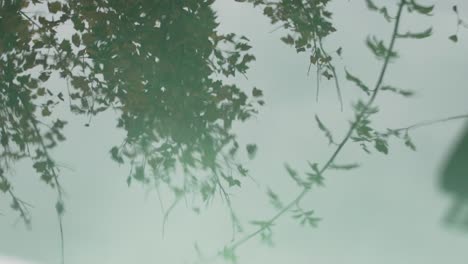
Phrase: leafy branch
pixel 17 204
pixel 360 116
pixel 48 167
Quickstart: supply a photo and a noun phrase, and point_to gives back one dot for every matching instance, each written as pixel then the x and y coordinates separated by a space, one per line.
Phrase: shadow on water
pixel 454 181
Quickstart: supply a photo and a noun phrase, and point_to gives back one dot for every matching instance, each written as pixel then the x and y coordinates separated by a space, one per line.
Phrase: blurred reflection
pixel 161 65
pixel 454 180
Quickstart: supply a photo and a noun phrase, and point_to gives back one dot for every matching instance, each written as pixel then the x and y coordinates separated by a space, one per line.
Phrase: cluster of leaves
pixel 157 63
pixel 360 130
pixel 313 177
pixel 366 135
pixel 307 24
pixel 27 128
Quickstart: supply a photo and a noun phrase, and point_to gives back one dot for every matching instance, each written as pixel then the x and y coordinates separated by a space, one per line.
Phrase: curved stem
pixel 359 117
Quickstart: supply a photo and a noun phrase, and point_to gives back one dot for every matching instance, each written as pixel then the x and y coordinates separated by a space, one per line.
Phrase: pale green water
pixel 388 211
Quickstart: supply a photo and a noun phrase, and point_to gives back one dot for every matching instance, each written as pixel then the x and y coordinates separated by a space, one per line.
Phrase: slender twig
pixel 335 76
pixel 58 186
pixel 430 122
pixel 166 214
pixel 29 18
pixel 359 117
pixel 22 206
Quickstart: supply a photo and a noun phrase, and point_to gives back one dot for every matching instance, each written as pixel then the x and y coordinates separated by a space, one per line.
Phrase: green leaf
pixel 371 6
pixel 139 174
pixel 295 176
pixel 288 40
pixel 4 185
pixel 454 38
pixel 378 48
pixel 116 156
pixel 382 10
pixel 65 45
pixel 325 130
pixel 274 199
pixel 425 10
pixel 405 93
pixel 293 173
pixel 59 207
pixel 54 7
pixel 231 181
pixel 408 142
pixel 339 51
pixel 45 111
pixel 251 150
pixel 262 224
pixel 381 145
pixel 345 166
pixel 229 254
pixel 76 40
pixel 417 35
pixel 357 82
pixel 257 92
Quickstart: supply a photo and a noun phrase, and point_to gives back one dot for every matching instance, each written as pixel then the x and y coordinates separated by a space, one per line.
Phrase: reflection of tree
pixel 307 23
pixel 157 62
pixel 161 64
pixel 22 97
pixel 455 182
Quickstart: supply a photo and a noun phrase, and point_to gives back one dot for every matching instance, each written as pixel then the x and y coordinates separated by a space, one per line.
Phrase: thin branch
pixel 21 205
pixel 430 122
pixel 59 189
pixel 29 18
pixel 335 76
pixel 359 117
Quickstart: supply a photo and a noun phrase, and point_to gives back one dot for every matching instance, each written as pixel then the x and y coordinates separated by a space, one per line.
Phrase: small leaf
pixel 425 10
pixel 45 111
pixel 54 7
pixel 76 40
pixel 327 75
pixel 381 145
pixel 243 171
pixel 409 143
pixel 406 93
pixel 139 174
pixel 257 92
pixel 345 166
pixel 290 171
pixel 339 51
pixel 417 35
pixel 371 5
pixel 4 185
pixel 274 199
pixel 59 207
pixel 251 150
pixel 357 81
pixel 325 130
pixel 231 181
pixel 453 38
pixel 288 39
pixel 115 155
